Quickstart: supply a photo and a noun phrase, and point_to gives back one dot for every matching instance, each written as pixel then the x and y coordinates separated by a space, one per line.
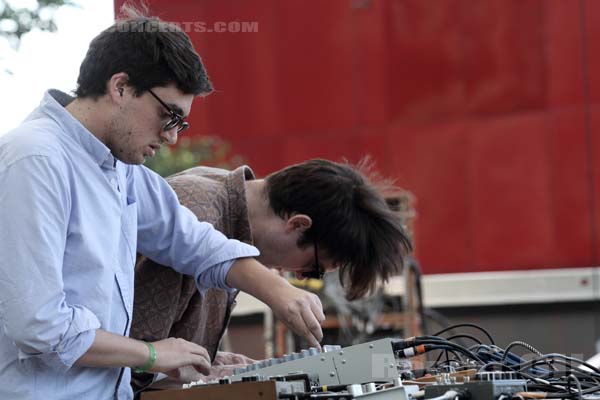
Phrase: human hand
pixel 190 374
pixel 300 310
pixel 172 354
pixel 219 371
pixel 226 358
pixel 185 374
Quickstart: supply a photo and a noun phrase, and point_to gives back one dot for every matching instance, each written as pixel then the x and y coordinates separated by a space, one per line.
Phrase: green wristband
pixel 150 362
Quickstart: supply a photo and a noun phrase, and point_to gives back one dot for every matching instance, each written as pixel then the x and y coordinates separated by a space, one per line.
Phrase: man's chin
pixel 141 159
pixel 131 160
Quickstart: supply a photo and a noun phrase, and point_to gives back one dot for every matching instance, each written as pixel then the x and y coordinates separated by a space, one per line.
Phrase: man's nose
pixel 169 136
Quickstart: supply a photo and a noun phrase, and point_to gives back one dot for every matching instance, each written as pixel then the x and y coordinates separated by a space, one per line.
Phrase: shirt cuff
pixel 215 276
pixel 75 343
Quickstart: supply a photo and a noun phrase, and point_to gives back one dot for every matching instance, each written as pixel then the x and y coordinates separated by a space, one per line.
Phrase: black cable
pixel 401 344
pixel 526 364
pixel 561 373
pixel 557 393
pixel 570 395
pixel 467 325
pixel 544 387
pixel 331 388
pixel 437 360
pixel 567 382
pixel 473 338
pixel 498 364
pixel 456 346
pixel 445 352
pixel 587 377
pixel 477 347
pixel 525 345
pixel 414 265
pixel 577 372
pixel 491 351
pixel 452 349
pixel 522 344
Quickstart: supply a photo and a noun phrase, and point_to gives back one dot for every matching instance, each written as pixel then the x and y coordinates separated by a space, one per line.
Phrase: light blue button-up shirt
pixel 71 220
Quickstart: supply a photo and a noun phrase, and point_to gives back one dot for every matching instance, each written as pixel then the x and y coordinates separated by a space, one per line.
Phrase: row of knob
pixel 313 351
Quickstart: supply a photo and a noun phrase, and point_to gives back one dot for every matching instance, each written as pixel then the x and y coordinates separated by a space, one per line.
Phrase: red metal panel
pixel 314 71
pixel 263 154
pixel 591 33
pixel 531 192
pixel 433 163
pixel 594 172
pixel 425 76
pixel 373 142
pixel 502 56
pixel 370 62
pixel 512 192
pixel 320 145
pixel 571 206
pixel 590 27
pixel 563 48
pixel 241 67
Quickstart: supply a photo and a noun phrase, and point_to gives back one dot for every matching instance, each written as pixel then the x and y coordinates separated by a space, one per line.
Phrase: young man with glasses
pixel 76 206
pixel 308 218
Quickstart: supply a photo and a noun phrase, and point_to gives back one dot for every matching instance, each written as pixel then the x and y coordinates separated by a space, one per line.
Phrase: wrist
pixel 250 276
pixel 151 359
pixel 273 289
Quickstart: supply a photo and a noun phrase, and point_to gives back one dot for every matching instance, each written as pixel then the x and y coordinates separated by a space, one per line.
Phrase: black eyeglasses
pixel 317 271
pixel 176 119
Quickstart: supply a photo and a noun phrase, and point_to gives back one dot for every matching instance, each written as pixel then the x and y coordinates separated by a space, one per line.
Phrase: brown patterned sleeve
pixel 157 300
pixel 164 298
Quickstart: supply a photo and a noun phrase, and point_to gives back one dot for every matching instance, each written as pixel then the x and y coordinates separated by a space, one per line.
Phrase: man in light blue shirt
pixel 75 206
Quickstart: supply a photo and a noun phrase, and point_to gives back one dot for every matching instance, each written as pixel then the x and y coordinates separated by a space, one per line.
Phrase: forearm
pixel 111 350
pixel 250 276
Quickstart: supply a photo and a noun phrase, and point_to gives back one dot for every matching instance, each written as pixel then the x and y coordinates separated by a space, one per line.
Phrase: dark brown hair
pixel 152 53
pixel 351 220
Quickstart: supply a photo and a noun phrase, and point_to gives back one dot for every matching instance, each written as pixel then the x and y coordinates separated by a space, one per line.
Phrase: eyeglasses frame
pixel 176 119
pixel 318 271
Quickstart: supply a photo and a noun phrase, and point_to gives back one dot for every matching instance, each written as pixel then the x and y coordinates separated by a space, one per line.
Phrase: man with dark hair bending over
pixel 76 206
pixel 308 218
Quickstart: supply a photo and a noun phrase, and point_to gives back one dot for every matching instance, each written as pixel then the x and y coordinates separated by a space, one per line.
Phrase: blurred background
pixel 484 111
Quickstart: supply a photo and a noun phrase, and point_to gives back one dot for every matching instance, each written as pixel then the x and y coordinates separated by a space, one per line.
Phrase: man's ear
pixel 298 222
pixel 117 85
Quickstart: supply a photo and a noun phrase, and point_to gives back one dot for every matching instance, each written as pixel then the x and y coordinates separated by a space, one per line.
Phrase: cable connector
pixel 402 344
pixel 411 351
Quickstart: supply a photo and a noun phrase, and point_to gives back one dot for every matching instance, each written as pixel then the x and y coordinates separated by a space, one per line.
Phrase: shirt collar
pixel 53 105
pixel 238 206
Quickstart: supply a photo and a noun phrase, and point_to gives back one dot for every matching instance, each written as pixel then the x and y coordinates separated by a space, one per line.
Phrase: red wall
pixel 487 110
